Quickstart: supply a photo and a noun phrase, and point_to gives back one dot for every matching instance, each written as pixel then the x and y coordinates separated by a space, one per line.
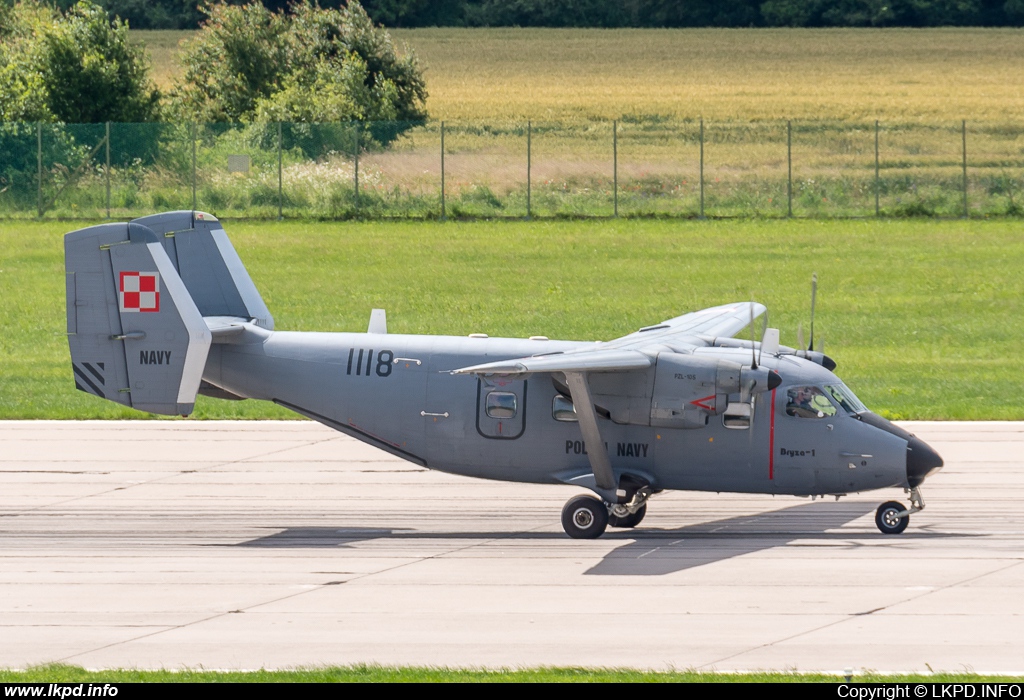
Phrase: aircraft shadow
pixel 656 552
pixel 316 537
pixel 646 551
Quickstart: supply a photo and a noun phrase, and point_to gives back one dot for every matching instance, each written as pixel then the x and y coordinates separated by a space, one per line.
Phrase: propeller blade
pixel 753 357
pixel 770 341
pixel 814 296
pixel 800 335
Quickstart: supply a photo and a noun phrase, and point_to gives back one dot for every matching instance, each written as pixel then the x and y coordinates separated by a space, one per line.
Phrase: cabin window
pixel 501 404
pixel 563 410
pixel 808 402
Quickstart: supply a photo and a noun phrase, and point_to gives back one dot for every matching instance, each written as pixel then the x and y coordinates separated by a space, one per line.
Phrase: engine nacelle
pixel 689 389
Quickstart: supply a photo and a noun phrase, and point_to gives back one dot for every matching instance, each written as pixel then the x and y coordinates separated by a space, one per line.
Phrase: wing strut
pixel 596 451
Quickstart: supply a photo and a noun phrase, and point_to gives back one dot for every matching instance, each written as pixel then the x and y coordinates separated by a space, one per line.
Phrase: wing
pixel 588 360
pixel 717 322
pixel 626 353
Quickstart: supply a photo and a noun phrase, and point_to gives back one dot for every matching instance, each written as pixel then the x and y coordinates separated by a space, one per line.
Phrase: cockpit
pixel 821 401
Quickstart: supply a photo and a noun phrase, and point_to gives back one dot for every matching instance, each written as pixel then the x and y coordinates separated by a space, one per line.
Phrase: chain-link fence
pixel 641 167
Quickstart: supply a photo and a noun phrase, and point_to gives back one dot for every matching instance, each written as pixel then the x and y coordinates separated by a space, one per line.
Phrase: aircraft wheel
pixel 628 520
pixel 888 519
pixel 584 518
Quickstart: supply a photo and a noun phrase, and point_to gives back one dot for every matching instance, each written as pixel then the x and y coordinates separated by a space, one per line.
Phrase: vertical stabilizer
pixel 207 263
pixel 136 336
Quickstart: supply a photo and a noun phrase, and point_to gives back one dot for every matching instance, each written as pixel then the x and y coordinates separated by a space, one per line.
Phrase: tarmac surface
pixel 246 545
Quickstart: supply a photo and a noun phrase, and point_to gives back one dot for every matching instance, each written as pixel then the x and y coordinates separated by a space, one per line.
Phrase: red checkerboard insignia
pixel 140 291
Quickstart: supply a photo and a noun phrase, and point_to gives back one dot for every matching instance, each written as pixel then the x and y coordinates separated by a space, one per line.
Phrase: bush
pixel 91 72
pixel 75 68
pixel 313 65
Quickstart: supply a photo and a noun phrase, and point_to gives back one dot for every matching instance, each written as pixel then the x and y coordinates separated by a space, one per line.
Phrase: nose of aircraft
pixel 922 460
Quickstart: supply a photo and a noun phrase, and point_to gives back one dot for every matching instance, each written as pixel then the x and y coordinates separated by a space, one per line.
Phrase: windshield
pixel 845 398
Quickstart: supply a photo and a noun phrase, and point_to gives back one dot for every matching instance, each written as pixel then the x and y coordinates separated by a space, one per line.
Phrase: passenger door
pixel 501 408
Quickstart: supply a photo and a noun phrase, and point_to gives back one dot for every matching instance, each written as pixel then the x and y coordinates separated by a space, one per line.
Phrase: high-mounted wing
pixel 589 360
pixel 626 353
pixel 718 321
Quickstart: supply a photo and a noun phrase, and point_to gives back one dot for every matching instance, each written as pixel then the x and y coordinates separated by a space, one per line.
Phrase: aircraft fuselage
pixel 395 392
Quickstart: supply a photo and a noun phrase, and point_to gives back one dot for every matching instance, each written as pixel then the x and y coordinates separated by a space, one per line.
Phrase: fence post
pixel 963 128
pixel 789 166
pixel 193 134
pixel 108 169
pixel 39 167
pixel 442 172
pixel 529 134
pixel 702 167
pixel 280 176
pixel 615 167
pixel 878 182
pixel 355 160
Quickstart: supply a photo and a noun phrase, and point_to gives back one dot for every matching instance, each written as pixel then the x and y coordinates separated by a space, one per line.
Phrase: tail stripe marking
pixel 94 372
pixel 79 374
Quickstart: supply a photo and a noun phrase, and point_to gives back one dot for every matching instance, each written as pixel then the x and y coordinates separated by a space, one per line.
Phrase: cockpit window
pixel 845 398
pixel 808 402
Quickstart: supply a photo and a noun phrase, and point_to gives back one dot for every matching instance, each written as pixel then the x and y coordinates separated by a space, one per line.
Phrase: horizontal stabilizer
pixel 225 326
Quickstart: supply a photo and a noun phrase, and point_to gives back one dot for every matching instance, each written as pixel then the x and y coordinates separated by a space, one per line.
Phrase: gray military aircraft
pixel 161 309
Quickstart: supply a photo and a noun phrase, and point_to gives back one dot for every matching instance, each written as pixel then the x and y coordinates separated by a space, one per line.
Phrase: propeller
pixel 814 295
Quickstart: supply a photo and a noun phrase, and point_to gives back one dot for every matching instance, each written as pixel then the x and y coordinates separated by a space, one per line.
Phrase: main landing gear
pixel 586 517
pixel 892 517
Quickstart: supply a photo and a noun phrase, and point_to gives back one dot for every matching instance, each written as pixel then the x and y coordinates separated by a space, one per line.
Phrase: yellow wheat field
pixel 725 74
pixel 896 75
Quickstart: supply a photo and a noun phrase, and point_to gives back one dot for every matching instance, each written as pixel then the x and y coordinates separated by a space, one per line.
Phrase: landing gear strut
pixel 893 517
pixel 630 514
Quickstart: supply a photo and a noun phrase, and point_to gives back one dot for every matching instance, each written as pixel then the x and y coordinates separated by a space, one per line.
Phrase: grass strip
pixel 368 673
pixel 923 317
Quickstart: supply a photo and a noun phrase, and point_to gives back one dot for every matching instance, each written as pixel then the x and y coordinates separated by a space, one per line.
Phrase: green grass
pixel 388 674
pixel 923 317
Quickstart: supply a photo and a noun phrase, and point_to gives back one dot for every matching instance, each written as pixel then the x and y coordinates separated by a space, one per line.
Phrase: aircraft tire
pixel 584 518
pixel 887 518
pixel 629 520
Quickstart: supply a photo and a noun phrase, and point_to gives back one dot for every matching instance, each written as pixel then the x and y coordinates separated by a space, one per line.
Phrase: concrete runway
pixel 169 544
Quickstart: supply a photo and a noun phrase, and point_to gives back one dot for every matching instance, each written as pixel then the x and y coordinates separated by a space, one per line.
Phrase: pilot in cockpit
pixel 804 402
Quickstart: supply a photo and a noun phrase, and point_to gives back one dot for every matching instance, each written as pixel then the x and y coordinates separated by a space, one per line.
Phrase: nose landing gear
pixel 892 517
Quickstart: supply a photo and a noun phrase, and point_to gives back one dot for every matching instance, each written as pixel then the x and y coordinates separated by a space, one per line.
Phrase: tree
pixel 76 68
pixel 310 65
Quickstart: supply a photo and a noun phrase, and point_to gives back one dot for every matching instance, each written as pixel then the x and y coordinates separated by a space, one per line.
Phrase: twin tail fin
pixel 137 297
